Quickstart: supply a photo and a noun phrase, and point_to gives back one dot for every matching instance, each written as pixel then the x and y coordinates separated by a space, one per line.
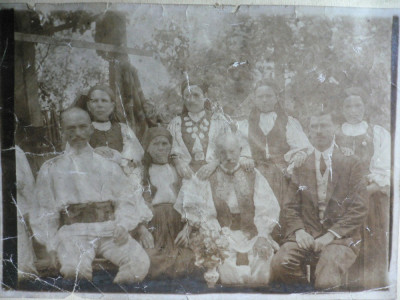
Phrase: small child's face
pixel 159 149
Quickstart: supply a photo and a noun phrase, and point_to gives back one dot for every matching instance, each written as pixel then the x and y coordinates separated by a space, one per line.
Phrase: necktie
pixel 322 165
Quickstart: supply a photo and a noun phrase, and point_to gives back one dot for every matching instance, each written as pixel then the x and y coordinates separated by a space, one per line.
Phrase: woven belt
pixel 92 212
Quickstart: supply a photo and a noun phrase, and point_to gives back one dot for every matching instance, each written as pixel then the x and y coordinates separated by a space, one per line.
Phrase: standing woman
pixel 194 135
pixel 277 141
pixel 371 143
pixel 111 139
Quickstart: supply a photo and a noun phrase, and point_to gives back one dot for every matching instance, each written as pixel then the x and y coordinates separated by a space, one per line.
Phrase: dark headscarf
pixel 154 132
pixel 150 135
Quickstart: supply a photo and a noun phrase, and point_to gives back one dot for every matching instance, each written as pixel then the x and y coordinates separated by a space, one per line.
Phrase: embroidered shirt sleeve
pixel 380 162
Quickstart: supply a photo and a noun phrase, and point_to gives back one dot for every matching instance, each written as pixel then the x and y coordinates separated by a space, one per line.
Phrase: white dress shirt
pixel 323 181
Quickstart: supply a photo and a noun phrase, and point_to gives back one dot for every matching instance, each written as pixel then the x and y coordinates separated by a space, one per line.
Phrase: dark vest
pixel 277 144
pixel 111 138
pixel 362 145
pixel 189 140
pixel 244 189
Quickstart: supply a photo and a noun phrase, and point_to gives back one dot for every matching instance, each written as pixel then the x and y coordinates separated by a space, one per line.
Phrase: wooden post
pixel 27 108
pixel 111 29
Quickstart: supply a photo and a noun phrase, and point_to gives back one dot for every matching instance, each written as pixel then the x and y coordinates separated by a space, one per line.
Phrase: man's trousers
pixel 77 253
pixel 288 264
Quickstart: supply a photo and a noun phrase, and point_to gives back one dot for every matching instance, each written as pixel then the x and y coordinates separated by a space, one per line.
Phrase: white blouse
pixel 218 124
pixel 163 177
pixel 295 136
pixel 380 161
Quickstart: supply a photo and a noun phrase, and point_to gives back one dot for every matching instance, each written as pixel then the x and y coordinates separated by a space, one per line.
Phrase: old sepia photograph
pixel 198 149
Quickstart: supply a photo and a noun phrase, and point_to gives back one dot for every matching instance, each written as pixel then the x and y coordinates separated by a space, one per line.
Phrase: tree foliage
pixel 311 59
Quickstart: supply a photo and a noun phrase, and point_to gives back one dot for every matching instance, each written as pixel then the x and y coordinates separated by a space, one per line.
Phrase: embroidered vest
pixel 111 138
pixel 276 138
pixel 362 145
pixel 192 131
pixel 244 189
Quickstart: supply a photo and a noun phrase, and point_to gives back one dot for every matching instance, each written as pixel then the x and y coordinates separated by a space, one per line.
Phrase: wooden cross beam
pixel 35 38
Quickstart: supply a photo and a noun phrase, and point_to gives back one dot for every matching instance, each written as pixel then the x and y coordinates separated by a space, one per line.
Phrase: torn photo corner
pixel 199 151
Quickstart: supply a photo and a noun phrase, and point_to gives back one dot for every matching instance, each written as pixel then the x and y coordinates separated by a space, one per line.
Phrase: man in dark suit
pixel 324 213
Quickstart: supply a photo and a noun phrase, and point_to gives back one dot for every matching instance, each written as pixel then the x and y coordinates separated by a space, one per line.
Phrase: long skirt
pixel 279 184
pixel 166 258
pixel 376 242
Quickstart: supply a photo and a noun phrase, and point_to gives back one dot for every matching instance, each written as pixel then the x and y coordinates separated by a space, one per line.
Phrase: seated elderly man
pixel 247 210
pixel 86 208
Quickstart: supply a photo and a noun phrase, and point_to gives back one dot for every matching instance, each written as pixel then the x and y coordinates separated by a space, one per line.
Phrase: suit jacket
pixel 346 200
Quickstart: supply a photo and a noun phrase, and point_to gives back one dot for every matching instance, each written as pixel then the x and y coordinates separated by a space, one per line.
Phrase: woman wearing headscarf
pixel 170 256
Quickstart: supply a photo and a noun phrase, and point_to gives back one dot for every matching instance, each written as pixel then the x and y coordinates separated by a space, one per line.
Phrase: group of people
pixel 284 198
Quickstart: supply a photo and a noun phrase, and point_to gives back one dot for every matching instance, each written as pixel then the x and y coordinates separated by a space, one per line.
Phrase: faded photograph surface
pixel 201 149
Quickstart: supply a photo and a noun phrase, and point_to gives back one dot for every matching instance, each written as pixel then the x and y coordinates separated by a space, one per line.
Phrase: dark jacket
pixel 346 200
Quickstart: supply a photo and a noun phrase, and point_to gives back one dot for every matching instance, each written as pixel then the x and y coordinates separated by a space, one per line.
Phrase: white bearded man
pixel 247 210
pixel 86 208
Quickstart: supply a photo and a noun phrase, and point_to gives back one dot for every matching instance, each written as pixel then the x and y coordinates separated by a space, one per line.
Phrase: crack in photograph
pixel 198 149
